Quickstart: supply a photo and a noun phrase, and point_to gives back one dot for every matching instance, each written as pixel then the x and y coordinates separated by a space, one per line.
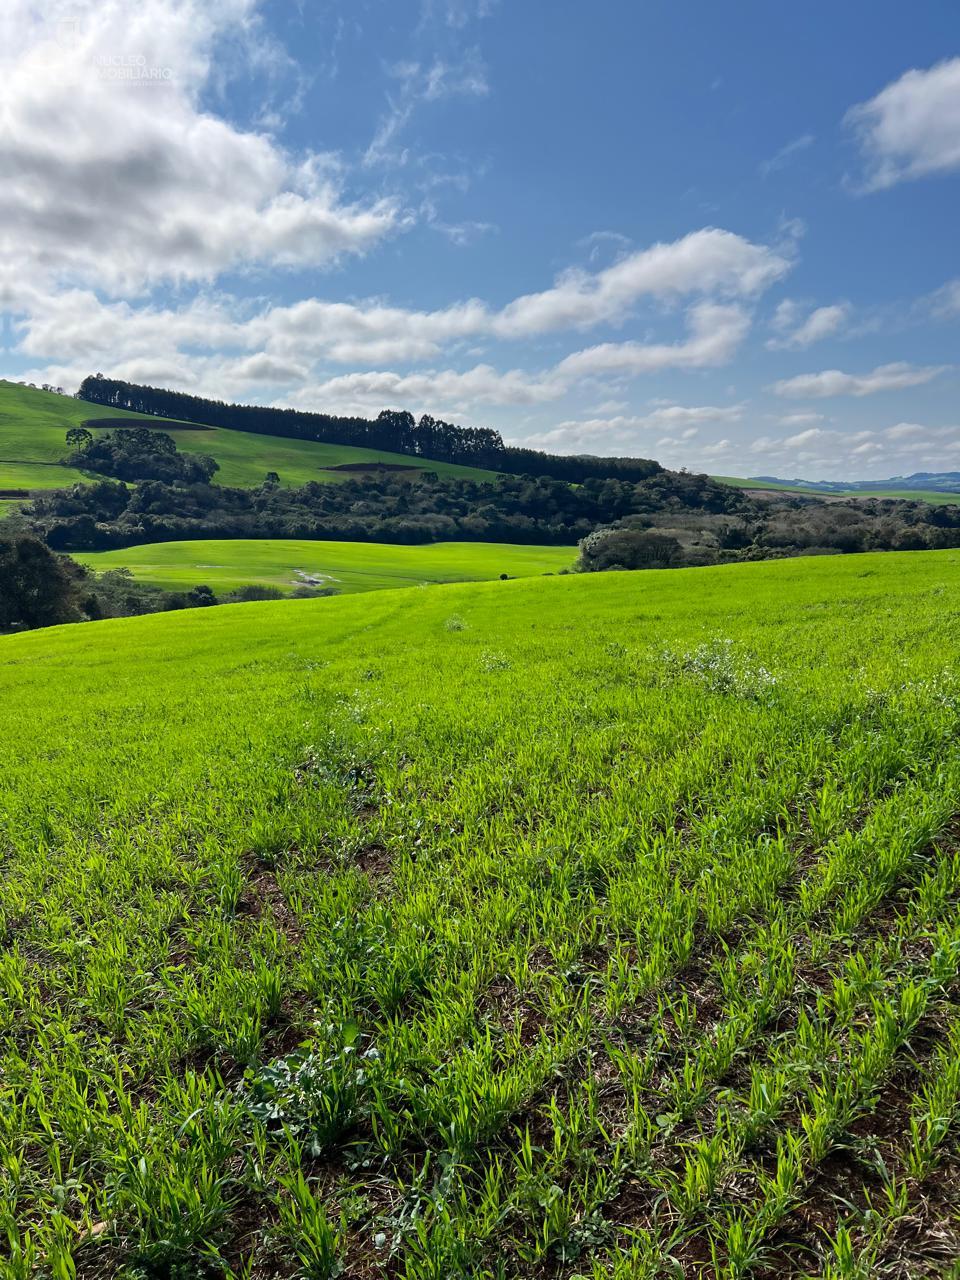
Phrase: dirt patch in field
pixel 374 468
pixel 14 493
pixel 374 860
pixel 263 895
pixel 126 424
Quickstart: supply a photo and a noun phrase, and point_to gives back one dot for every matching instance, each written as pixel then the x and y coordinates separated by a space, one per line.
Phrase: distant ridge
pixel 940 481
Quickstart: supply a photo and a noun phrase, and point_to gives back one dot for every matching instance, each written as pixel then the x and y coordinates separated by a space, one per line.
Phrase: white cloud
pixel 84 332
pixel 716 332
pixel 710 261
pixel 624 433
pixel 833 382
pixel 803 438
pixel 716 450
pixel 785 154
pixel 416 84
pixel 945 301
pixel 128 184
pixel 880 454
pixel 162 191
pixel 269 371
pixel 906 431
pixel 799 419
pixel 680 415
pixel 450 390
pixel 436 391
pixel 820 323
pixel 911 129
pixel 372 331
pixel 455 13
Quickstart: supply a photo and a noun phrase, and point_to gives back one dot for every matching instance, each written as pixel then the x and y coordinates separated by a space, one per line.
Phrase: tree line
pixel 393 430
pixel 414 508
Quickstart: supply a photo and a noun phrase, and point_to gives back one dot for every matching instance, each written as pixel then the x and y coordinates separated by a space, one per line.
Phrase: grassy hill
pixel 615 916
pixel 33 425
pixel 348 566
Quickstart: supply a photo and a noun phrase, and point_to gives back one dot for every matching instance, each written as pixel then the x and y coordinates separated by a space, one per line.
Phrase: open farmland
pixel 33 426
pixel 224 564
pixel 591 926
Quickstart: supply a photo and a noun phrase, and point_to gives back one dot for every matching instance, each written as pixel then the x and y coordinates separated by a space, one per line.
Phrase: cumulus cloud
pixel 833 382
pixel 373 331
pixel 115 174
pixel 803 438
pixel 125 201
pixel 906 431
pixel 456 391
pixel 622 433
pixel 886 453
pixel 709 261
pixel 716 450
pixel 82 330
pixel 716 332
pixel 911 129
pixel 797 332
pixel 439 390
pixel 799 419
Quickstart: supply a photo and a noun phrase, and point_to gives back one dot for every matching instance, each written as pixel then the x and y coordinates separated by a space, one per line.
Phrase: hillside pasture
pixel 245 458
pixel 33 427
pixel 344 566
pixel 596 926
pixel 30 476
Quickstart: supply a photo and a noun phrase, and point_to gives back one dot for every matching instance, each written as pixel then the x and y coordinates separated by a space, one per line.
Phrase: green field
pixel 33 425
pixel 596 926
pixel 245 458
pixel 347 566
pixel 38 475
pixel 909 495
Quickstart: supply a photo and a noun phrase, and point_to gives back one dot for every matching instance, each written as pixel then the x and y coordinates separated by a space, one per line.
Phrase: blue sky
pixel 719 235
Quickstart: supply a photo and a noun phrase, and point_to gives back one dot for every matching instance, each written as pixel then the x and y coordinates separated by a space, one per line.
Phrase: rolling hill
pixel 33 424
pixel 345 566
pixel 593 926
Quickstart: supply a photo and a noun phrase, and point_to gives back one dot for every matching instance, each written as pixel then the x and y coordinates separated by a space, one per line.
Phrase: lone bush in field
pixel 242 595
pixel 627 549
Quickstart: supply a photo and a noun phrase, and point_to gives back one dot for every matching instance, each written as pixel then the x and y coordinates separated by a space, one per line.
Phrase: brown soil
pixel 161 424
pixel 371 467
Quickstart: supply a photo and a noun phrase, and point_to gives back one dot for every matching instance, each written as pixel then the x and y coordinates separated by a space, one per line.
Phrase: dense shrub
pixel 628 549
pixel 142 454
pixel 37 588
